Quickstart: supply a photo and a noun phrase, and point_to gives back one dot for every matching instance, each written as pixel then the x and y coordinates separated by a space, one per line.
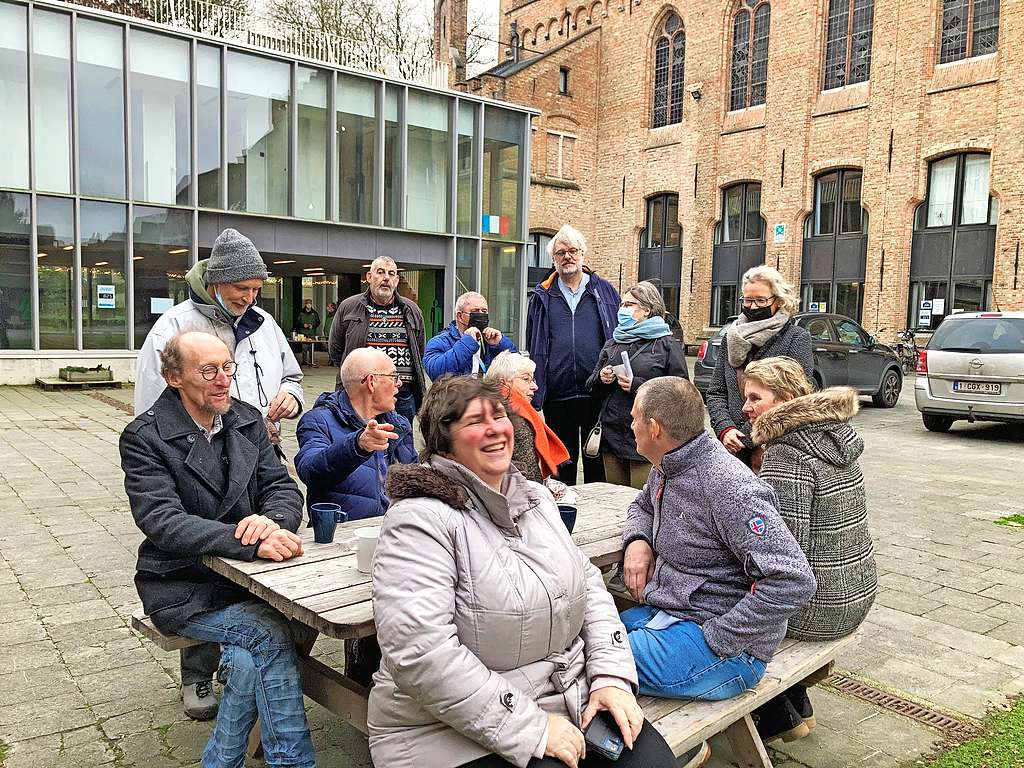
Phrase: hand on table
pixel 733 441
pixel 376 436
pixel 280 545
pixel 254 528
pixel 638 567
pixel 622 706
pixel 565 741
pixel 283 406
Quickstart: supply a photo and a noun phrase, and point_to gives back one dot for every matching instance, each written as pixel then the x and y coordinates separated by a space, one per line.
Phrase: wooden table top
pixel 324 590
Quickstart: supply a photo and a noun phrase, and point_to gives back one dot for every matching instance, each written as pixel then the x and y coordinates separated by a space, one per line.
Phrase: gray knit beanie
pixel 234 259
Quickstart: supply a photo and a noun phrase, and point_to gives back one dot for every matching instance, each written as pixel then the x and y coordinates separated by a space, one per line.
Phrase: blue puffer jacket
pixel 334 467
pixel 452 352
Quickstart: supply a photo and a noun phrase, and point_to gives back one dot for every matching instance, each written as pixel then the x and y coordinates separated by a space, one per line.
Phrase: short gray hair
pixel 388 259
pixel 781 288
pixel 463 300
pixel 508 365
pixel 675 404
pixel 569 235
pixel 172 357
pixel 648 297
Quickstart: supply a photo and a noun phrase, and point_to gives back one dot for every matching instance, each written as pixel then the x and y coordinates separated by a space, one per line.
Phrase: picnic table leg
pixel 747 747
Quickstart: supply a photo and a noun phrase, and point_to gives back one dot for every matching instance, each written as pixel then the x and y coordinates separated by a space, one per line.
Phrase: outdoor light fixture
pixel 40 255
pixel 138 258
pixel 313 269
pixel 68 248
pixel 101 263
pixel 285 261
pixel 177 251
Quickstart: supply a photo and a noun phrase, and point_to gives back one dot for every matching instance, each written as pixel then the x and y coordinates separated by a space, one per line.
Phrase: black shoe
pixel 779 719
pixel 801 702
pixel 696 757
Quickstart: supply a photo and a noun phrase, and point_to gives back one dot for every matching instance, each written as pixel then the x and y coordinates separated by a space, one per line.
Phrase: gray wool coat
pixel 810 460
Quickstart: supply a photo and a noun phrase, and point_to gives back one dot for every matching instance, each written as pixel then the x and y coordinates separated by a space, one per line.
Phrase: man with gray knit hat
pixel 222 291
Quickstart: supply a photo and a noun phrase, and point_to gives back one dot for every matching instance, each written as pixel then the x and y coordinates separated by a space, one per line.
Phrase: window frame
pixel 670 290
pixel 970 7
pixel 851 11
pixel 671 112
pixel 563 81
pixel 720 308
pixel 750 9
pixel 561 136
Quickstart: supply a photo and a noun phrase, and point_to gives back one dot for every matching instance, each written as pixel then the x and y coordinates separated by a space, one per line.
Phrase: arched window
pixel 661 252
pixel 835 246
pixel 848 42
pixel 749 54
pixel 669 61
pixel 954 241
pixel 969 28
pixel 739 245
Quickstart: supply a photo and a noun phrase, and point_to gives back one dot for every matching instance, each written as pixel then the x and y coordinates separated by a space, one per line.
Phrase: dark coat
pixel 452 352
pixel 334 467
pixel 348 332
pixel 537 330
pixel 648 358
pixel 724 399
pixel 184 513
pixel 308 322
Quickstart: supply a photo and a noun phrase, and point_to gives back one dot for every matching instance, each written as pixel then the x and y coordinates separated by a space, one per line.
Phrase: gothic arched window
pixel 848 42
pixel 669 58
pixel 749 54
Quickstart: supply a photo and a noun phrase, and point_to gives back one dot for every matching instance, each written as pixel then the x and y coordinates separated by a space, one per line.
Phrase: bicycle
pixel 907 350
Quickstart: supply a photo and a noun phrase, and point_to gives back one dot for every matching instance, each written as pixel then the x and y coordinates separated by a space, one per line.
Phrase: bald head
pixel 192 349
pixel 360 363
pixel 370 381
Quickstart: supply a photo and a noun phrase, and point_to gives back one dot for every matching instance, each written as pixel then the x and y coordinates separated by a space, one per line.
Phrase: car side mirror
pixel 872 341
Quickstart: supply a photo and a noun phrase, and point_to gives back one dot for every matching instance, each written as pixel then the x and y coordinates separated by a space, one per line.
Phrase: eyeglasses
pixel 567 252
pixel 756 301
pixel 393 376
pixel 209 372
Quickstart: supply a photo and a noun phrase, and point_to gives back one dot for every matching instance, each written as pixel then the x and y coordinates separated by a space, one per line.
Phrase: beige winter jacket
pixel 488 616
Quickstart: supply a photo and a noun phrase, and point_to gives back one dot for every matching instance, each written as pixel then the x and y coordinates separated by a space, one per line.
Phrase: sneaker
pixel 696 757
pixel 617 582
pixel 801 702
pixel 778 719
pixel 200 701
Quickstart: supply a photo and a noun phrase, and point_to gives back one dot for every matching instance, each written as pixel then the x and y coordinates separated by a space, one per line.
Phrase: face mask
pixel 753 314
pixel 479 320
pixel 222 305
pixel 626 319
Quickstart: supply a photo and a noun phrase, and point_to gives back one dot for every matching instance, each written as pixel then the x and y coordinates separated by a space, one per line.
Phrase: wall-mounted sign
pixel 780 233
pixel 494 225
pixel 104 297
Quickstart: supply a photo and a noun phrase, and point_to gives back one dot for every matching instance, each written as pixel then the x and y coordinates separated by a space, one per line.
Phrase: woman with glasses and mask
pixel 538 451
pixel 765 328
pixel 642 335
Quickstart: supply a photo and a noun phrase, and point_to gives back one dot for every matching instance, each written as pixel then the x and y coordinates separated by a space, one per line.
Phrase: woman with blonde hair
pixel 810 459
pixel 765 328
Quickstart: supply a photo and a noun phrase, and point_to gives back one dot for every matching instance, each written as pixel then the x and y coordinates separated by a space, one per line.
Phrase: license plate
pixel 978 387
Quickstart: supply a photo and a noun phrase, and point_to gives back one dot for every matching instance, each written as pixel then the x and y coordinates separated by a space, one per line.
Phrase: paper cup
pixel 366 543
pixel 620 370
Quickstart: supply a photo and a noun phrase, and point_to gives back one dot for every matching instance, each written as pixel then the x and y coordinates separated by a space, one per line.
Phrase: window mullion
pixel 750 60
pixel 969 30
pixel 848 64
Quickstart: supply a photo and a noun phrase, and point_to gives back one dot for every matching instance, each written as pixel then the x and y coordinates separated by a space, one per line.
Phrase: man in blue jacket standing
pixel 468 344
pixel 571 315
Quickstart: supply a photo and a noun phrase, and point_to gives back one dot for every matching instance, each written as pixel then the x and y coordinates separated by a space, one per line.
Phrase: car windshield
pixel 980 334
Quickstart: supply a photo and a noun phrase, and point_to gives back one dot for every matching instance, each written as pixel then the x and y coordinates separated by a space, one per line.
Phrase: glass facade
pixel 140 136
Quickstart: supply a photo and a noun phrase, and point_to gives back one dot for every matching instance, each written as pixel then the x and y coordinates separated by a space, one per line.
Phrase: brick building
pixel 873 152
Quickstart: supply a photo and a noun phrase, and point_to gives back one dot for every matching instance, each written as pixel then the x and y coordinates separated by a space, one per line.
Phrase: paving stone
pixel 26 630
pixel 27 656
pixel 87 610
pixel 906 602
pixel 41 717
pixel 965 619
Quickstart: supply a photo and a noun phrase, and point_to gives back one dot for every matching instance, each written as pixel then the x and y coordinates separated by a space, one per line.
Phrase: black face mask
pixel 753 314
pixel 479 320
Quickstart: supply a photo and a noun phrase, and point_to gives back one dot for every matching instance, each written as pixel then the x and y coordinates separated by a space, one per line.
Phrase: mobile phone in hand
pixel 602 736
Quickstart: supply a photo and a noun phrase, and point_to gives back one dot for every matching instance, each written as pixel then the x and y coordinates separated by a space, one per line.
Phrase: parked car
pixel 844 355
pixel 972 368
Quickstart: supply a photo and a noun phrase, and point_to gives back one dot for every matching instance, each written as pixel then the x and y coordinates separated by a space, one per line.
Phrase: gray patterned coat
pixel 810 460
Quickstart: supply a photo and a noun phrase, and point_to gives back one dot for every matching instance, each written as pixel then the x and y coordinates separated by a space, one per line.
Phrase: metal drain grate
pixel 952 727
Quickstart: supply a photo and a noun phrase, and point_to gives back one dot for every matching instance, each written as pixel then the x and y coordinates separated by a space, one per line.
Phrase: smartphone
pixel 602 736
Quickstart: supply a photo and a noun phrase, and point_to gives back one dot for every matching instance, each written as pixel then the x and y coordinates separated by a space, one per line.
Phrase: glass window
pixel 733 211
pixel 257 146
pixel 13 97
pixel 941 187
pixel 563 81
pixel 818 328
pixel 161 118
pixel 749 70
pixel 427 196
pixel 673 229
pixel 100 57
pixel 161 253
pixel 975 202
pixel 848 42
pixel 753 229
pixel 815 297
pixel 55 257
pixel 503 136
pixel 971 295
pixel 51 100
pixel 15 271
pixel 969 28
pixel 669 63
pixel 356 105
pixel 104 249
pixel 825 205
pixel 656 222
pixel 926 291
pixel 849 299
pixel 1003 335
pixel 537 250
pixel 311 174
pixel 392 161
pixel 851 216
pixel 208 134
pixel 499 282
pixel 465 266
pixel 465 194
pixel 849 333
pixel 723 303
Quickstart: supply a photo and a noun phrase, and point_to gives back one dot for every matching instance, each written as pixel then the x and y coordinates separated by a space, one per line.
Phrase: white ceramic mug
pixel 366 543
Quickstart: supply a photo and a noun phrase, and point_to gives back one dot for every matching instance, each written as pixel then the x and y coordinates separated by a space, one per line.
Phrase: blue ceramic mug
pixel 568 513
pixel 324 518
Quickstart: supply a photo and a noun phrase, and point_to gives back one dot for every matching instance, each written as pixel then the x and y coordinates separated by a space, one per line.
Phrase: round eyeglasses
pixel 209 372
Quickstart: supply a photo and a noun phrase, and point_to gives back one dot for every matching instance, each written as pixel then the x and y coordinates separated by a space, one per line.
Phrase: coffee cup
pixel 324 517
pixel 366 544
pixel 568 513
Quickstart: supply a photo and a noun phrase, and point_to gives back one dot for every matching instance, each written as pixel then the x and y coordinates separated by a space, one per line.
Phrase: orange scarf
pixel 549 449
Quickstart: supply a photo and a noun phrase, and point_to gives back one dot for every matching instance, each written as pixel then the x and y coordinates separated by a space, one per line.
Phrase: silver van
pixel 973 368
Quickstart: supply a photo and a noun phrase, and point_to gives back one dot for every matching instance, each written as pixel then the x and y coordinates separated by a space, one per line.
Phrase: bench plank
pixel 144 625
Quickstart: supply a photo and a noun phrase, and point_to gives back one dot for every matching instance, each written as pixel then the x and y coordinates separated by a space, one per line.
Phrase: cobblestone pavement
pixel 79 688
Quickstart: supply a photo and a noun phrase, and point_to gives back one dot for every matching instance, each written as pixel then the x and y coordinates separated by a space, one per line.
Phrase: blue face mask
pixel 626 319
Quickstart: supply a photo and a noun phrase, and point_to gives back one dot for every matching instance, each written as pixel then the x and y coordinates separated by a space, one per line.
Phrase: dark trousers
pixel 199 662
pixel 649 751
pixel 572 421
pixel 405 404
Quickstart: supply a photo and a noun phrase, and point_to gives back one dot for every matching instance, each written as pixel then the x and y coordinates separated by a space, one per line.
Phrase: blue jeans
pixel 405 404
pixel 677 663
pixel 258 653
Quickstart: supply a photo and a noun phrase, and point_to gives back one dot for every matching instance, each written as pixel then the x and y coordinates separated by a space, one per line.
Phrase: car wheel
pixel 889 393
pixel 935 423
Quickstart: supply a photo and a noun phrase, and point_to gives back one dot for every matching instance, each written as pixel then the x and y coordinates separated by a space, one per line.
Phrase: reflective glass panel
pixel 356 106
pixel 851 222
pixel 825 207
pixel 849 298
pixel 754 229
pixel 392 161
pixel 941 185
pixel 427 197
pixel 723 303
pixel 15 271
pixel 499 282
pixel 51 100
pixel 655 221
pixel 466 177
pixel 100 56
pixel 55 257
pixel 160 259
pixel 161 114
pixel 311 174
pixel 257 146
pixel 104 250
pixel 673 229
pixel 733 211
pixel 13 97
pixel 975 203
pixel 503 136
pixel 208 137
pixel 465 266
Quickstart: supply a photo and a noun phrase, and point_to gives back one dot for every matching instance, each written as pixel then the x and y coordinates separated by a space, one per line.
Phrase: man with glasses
pixel 571 315
pixel 202 479
pixel 469 344
pixel 222 294
pixel 347 441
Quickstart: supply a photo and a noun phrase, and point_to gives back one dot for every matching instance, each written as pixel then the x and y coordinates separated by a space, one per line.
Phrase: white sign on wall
pixel 780 233
pixel 105 297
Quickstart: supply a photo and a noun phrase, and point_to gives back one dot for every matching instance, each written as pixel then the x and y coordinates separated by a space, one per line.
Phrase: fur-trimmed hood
pixel 412 481
pixel 817 424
